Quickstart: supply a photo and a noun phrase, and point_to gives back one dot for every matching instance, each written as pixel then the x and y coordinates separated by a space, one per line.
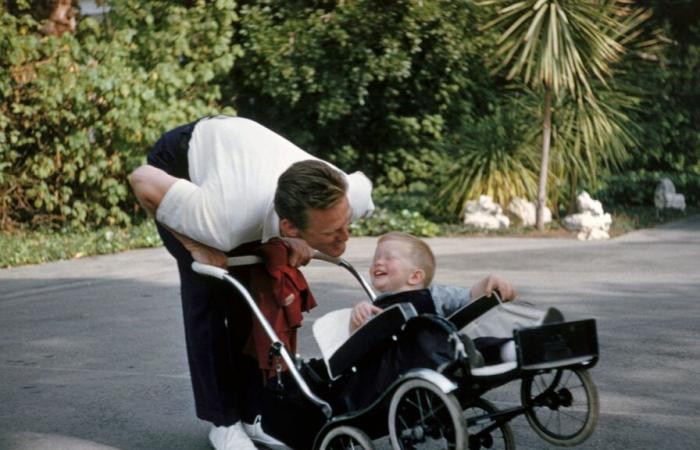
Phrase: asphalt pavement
pixel 92 350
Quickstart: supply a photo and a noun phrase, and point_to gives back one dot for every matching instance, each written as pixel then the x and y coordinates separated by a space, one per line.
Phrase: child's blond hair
pixel 420 253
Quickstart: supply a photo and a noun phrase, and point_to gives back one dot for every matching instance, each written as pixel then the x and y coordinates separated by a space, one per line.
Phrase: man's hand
pixel 300 252
pixel 361 313
pixel 488 284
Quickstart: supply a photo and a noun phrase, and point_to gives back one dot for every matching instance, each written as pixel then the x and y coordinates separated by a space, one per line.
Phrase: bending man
pixel 215 185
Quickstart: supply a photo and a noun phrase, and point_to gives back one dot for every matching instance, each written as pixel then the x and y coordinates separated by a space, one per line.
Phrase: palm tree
pixel 564 47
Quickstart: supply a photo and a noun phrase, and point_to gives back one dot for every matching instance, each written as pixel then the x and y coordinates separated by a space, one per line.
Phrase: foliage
pixel 384 221
pixel 369 85
pixel 491 157
pixel 560 48
pixel 78 112
pixel 44 245
pixel 669 138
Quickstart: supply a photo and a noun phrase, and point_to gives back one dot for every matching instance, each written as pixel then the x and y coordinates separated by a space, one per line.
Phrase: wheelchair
pixel 419 378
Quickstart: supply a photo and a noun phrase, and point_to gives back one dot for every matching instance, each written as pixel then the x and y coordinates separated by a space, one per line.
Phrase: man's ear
pixel 417 277
pixel 288 229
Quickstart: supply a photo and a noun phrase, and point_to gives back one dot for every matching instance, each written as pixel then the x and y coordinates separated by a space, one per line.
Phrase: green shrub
pixel 384 221
pixel 78 112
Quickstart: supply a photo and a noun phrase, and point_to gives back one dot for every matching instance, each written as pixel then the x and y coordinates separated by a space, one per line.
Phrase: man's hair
pixel 309 184
pixel 420 253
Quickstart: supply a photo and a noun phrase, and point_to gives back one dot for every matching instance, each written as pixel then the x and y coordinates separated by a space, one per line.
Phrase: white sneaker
pixel 230 438
pixel 258 435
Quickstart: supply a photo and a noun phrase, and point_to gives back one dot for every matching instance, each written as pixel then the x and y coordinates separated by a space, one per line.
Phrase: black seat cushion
pixel 369 336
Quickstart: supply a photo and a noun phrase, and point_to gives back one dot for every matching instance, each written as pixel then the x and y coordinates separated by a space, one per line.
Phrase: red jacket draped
pixel 282 294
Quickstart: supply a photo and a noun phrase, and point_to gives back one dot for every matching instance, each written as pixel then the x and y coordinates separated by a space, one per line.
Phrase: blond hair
pixel 420 253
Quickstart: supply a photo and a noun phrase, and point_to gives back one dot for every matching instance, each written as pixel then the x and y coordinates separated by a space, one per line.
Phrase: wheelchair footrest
pixel 557 345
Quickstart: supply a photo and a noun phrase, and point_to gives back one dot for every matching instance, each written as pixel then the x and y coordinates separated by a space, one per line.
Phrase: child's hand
pixel 491 283
pixel 361 313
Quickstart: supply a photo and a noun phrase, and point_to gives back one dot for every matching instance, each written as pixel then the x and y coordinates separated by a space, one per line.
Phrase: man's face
pixel 392 268
pixel 328 229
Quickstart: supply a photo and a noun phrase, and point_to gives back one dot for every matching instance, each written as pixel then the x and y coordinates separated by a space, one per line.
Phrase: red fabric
pixel 271 284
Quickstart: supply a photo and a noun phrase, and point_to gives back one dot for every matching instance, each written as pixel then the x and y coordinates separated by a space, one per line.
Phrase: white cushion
pixel 331 331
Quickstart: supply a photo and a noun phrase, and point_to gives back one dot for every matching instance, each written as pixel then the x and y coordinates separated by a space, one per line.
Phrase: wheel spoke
pixel 567 414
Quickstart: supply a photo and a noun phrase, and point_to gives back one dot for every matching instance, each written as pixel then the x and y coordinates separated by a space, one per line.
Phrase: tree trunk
pixel 546 137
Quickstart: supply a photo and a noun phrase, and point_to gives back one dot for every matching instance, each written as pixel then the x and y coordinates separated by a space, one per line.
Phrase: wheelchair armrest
pixel 367 337
pixel 473 310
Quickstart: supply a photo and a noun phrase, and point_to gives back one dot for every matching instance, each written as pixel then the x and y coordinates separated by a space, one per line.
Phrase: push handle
pixel 347 266
pixel 222 274
pixel 330 259
pixel 206 269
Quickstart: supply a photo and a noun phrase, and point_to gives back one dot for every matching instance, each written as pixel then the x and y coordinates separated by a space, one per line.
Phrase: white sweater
pixel 234 164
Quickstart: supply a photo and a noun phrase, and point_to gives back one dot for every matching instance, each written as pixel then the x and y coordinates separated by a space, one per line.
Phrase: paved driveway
pixel 92 350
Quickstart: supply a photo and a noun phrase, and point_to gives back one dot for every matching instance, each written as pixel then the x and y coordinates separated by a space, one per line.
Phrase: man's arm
pixel 150 184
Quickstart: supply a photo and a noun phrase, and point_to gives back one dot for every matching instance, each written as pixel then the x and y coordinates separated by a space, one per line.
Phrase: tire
pixel 421 416
pixel 346 437
pixel 562 406
pixel 479 424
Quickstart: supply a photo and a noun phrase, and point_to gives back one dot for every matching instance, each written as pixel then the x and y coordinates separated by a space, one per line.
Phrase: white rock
pixel 665 196
pixel 526 212
pixel 484 213
pixel 486 221
pixel 586 221
pixel 586 203
pixel 592 222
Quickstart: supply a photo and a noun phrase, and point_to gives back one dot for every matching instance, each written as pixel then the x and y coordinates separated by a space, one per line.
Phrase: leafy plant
pixel 79 111
pixel 491 157
pixel 368 85
pixel 559 47
pixel 384 221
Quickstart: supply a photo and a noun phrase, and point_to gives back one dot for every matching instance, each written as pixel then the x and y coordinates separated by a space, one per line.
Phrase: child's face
pixel 392 268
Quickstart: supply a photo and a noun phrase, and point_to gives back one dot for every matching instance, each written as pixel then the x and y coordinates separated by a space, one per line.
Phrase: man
pixel 213 186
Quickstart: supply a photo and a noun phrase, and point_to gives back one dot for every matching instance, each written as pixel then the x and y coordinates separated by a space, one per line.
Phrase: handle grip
pixel 209 270
pixel 327 258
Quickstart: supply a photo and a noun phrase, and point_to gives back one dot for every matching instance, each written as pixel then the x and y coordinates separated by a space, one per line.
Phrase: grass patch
pixel 40 246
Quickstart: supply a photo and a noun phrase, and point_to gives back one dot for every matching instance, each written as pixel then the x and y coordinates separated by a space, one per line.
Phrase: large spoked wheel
pixel 562 406
pixel 483 430
pixel 421 416
pixel 346 438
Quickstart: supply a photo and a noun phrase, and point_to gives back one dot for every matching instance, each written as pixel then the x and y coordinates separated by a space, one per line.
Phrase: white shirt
pixel 234 164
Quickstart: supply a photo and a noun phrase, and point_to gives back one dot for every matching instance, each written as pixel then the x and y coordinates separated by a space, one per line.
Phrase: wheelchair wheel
pixel 562 406
pixel 421 416
pixel 346 437
pixel 483 431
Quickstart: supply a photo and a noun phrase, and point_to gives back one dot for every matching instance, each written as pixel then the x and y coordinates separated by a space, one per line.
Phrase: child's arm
pixel 491 283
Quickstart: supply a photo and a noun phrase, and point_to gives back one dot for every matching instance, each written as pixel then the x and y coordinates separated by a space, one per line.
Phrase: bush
pixel 78 112
pixel 384 221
